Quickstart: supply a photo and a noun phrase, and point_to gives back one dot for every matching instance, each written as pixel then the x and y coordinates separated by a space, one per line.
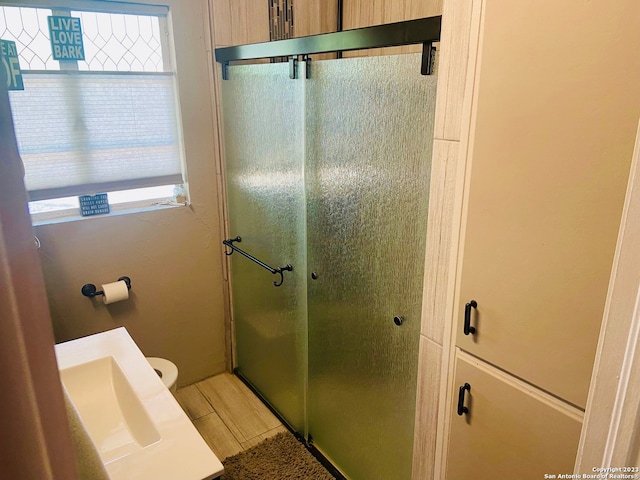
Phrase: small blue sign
pixel 10 66
pixel 66 38
pixel 94 204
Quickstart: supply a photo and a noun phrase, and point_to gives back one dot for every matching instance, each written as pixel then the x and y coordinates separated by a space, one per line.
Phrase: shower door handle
pixel 467 317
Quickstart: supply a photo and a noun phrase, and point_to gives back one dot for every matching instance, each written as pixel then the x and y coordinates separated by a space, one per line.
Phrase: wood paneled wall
pixel 312 17
pixel 236 22
pixel 364 13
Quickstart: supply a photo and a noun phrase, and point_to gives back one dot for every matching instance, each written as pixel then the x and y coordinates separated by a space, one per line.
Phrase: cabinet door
pixel 550 157
pixel 511 430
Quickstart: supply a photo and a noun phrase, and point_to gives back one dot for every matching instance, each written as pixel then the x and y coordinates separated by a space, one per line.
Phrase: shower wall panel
pixel 369 137
pixel 264 151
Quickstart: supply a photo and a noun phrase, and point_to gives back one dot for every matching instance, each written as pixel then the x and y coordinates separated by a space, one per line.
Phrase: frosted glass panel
pixel 331 174
pixel 264 150
pixel 369 131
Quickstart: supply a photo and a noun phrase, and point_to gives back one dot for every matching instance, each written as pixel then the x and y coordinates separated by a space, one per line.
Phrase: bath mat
pixel 280 457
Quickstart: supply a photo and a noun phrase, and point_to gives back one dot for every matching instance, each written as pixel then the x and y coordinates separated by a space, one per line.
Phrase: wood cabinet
pixel 550 156
pixel 511 430
pixel 553 114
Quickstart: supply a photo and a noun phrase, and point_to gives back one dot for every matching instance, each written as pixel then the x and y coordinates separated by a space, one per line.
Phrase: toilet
pixel 167 371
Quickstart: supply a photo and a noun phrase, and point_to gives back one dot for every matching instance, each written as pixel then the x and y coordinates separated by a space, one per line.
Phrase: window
pixel 108 123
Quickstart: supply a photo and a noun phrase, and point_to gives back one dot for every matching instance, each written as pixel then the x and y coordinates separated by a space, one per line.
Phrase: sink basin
pixel 138 428
pixel 110 410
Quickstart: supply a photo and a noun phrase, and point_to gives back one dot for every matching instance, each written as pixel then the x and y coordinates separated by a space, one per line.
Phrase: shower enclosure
pixel 328 187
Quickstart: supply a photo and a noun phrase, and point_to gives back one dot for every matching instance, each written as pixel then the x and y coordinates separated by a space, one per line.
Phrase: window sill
pixel 73 214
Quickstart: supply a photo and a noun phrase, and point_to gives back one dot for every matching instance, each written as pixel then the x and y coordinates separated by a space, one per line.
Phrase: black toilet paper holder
pixel 90 290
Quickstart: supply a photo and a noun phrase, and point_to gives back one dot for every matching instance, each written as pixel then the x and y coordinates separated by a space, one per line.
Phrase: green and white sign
pixel 10 66
pixel 66 38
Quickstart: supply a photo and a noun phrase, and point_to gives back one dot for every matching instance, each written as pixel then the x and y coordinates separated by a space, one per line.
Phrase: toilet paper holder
pixel 90 290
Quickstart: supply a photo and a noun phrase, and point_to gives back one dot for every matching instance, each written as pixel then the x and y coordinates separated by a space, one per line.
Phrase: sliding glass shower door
pixel 331 174
pixel 264 151
pixel 369 127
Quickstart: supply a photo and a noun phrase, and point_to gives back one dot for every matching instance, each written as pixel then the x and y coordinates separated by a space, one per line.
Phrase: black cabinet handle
pixel 467 317
pixel 461 408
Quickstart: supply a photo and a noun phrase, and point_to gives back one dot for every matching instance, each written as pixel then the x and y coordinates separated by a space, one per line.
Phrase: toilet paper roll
pixel 115 292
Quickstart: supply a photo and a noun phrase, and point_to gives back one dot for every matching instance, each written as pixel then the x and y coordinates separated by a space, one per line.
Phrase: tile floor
pixel 227 414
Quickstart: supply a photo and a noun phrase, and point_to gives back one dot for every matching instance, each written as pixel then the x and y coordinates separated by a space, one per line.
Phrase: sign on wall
pixel 10 66
pixel 94 204
pixel 66 38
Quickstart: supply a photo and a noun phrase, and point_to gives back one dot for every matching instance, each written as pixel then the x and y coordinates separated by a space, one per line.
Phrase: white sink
pixel 135 423
pixel 111 412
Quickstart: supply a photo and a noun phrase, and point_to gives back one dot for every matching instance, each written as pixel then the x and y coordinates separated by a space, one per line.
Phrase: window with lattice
pixel 108 123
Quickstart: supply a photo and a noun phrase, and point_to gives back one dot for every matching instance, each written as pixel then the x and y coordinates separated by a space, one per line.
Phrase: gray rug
pixel 280 457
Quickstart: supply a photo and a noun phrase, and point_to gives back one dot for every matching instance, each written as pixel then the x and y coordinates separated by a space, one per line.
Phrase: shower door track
pixel 423 31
